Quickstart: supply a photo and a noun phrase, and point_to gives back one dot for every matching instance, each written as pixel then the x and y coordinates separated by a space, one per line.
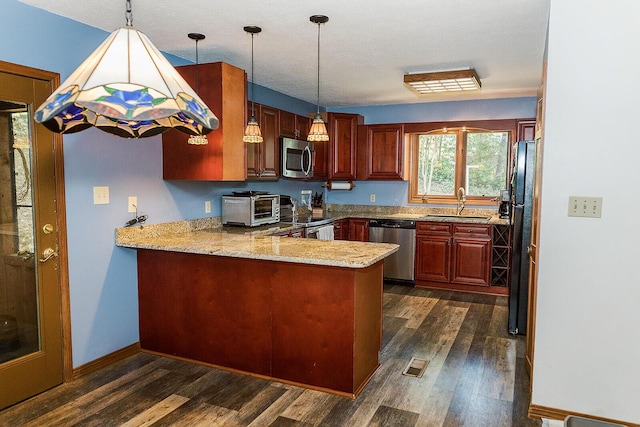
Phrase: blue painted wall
pixel 484 109
pixel 103 278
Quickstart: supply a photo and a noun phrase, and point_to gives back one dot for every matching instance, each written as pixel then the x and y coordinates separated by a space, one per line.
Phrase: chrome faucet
pixel 461 198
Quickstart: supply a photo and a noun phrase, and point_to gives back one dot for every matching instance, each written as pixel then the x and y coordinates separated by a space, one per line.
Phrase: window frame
pixel 412 130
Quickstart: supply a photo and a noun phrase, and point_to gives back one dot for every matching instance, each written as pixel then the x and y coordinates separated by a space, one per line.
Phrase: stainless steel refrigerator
pixel 522 172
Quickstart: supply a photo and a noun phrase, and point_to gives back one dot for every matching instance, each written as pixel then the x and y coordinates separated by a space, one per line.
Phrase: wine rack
pixel 501 255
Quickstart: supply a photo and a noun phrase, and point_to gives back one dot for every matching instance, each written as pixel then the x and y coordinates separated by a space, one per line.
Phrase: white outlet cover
pixel 583 206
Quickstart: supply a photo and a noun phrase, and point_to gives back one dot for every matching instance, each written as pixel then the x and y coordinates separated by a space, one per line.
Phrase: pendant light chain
pixel 253 89
pixel 197 76
pixel 129 15
pixel 318 94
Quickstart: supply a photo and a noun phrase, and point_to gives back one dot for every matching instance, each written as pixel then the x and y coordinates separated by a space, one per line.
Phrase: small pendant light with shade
pixel 252 132
pixel 318 131
pixel 197 139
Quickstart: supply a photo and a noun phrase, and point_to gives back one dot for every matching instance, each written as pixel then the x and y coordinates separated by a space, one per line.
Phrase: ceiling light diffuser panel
pixel 443 81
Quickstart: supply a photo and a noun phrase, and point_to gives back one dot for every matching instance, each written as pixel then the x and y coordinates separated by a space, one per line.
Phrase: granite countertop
pixel 208 238
pixel 470 215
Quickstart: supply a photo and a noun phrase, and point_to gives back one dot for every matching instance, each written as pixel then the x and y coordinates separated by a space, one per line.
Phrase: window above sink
pixel 447 156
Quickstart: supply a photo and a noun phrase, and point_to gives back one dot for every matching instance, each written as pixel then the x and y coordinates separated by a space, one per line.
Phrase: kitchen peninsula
pixel 300 311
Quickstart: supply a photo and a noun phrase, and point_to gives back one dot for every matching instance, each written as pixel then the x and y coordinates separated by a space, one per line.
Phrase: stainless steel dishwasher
pixel 399 266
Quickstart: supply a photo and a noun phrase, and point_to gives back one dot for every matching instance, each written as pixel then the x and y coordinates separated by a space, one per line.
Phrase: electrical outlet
pixel 590 207
pixel 207 206
pixel 100 195
pixel 132 204
pixel 372 198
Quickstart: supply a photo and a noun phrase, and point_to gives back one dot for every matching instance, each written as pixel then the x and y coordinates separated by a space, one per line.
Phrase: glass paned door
pixel 19 325
pixel 31 357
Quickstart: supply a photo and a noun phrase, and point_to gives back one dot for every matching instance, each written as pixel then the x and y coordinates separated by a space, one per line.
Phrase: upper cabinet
pixel 526 130
pixel 293 125
pixel 223 88
pixel 263 158
pixel 381 152
pixel 342 145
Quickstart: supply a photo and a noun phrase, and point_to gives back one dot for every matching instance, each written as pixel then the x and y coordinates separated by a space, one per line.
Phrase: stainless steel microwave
pixel 297 158
pixel 250 208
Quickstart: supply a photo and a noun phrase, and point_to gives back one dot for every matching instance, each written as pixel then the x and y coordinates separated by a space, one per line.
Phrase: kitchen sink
pixel 458 217
pixel 309 222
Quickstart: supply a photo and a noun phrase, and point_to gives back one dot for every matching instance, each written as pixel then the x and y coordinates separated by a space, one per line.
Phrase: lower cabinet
pixel 453 255
pixel 471 257
pixel 341 229
pixel 359 229
pixel 433 251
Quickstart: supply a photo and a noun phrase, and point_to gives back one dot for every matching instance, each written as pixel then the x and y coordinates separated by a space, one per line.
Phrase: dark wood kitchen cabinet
pixel 341 229
pixel 471 258
pixel 342 146
pixel 359 229
pixel 223 88
pixel 433 251
pixel 454 256
pixel 381 152
pixel 294 125
pixel 263 161
pixel 321 152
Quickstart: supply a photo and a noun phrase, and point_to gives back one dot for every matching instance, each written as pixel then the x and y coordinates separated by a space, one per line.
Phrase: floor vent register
pixel 416 367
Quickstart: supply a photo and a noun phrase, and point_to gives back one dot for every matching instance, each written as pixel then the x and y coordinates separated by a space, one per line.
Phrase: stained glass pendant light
pixel 126 87
pixel 318 131
pixel 197 139
pixel 252 133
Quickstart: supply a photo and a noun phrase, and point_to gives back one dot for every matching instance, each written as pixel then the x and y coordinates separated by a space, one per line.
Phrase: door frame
pixel 61 217
pixel 534 246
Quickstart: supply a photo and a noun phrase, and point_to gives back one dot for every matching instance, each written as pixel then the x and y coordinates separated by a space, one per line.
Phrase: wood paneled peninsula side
pixel 300 311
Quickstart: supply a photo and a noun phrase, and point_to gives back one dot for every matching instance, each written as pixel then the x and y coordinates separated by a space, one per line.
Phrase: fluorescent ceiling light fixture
pixel 443 81
pixel 126 87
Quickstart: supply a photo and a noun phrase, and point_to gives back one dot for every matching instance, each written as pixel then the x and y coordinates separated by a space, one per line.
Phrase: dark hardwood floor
pixel 475 376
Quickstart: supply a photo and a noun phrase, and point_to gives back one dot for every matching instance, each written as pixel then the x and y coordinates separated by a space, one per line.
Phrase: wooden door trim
pixel 61 218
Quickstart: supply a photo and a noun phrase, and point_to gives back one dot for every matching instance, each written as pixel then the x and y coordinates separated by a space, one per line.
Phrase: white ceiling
pixel 365 48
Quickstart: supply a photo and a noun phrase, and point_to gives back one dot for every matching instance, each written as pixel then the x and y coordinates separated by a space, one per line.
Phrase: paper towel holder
pixel 330 185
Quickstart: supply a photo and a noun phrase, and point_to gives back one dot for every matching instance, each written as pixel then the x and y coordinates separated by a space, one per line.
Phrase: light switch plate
pixel 590 207
pixel 100 195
